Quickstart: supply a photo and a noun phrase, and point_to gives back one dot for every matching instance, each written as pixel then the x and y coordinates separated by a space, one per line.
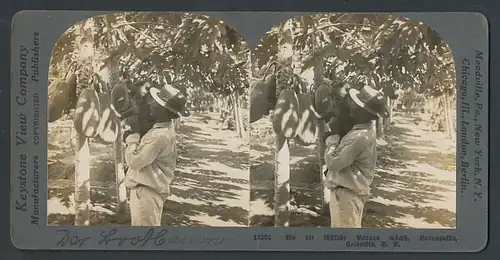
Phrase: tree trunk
pixel 82 179
pixel 113 67
pixel 121 190
pixel 446 118
pixel 318 72
pixel 282 183
pixel 387 121
pixel 220 105
pixel 451 117
pixel 321 147
pixel 321 160
pixel 448 123
pixel 282 153
pixel 121 207
pixel 236 116
pixel 391 110
pixel 177 123
pixel 249 65
pixel 380 128
pixel 82 162
pixel 237 109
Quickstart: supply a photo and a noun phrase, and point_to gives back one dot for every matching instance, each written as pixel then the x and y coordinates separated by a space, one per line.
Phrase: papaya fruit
pixel 259 93
pixel 341 123
pixel 323 101
pixel 70 77
pixel 72 83
pixel 271 97
pixel 307 130
pixel 286 114
pixel 133 110
pixel 181 88
pixel 107 128
pixel 120 98
pixel 262 97
pixel 146 121
pixel 86 116
pixel 58 99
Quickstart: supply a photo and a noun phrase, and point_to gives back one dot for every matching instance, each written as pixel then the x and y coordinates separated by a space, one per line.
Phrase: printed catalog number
pixel 262 237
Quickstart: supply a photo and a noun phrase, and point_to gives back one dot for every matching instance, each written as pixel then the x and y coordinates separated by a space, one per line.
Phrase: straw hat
pixel 171 99
pixel 371 100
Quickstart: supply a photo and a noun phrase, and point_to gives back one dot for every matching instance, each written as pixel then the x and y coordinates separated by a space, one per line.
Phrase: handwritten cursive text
pixel 67 239
pixel 111 236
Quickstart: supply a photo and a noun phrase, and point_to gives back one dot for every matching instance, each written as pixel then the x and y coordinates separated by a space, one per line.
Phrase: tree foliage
pixel 387 50
pixel 192 50
pixel 205 55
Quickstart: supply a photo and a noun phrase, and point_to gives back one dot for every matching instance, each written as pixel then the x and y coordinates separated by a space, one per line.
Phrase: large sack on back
pixel 58 99
pixel 107 128
pixel 286 114
pixel 86 117
pixel 307 130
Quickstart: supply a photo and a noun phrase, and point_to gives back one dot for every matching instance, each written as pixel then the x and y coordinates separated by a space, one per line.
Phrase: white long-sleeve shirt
pixel 352 163
pixel 152 158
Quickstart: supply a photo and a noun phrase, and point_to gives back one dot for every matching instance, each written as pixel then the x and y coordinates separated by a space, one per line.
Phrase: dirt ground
pixel 414 186
pixel 211 187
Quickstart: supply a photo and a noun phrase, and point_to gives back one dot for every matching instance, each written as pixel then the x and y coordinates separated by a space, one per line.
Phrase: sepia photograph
pixel 352 124
pixel 148 122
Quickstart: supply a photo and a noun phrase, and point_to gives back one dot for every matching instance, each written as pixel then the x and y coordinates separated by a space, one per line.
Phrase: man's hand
pixel 324 170
pixel 132 138
pixel 332 140
pixel 331 143
pixel 131 126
